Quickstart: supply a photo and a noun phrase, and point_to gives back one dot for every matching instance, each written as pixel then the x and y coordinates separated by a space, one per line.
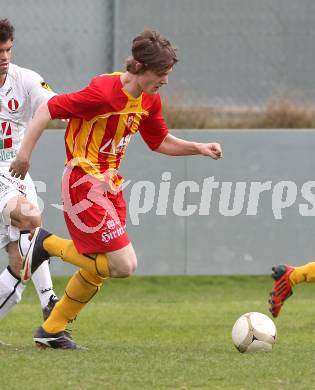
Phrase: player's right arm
pixel 21 164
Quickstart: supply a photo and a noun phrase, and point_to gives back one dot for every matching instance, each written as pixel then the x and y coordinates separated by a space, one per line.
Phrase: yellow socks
pixel 83 285
pixel 79 291
pixel 65 249
pixel 305 273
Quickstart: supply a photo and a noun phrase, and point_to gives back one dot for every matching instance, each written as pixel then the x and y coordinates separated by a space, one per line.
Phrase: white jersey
pixel 23 91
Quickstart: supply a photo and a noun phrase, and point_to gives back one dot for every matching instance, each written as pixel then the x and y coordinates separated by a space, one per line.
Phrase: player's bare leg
pixel 11 288
pixel 20 214
pixel 119 263
pixel 83 285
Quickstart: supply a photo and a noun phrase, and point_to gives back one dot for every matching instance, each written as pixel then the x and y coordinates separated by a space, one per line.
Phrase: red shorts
pixel 96 218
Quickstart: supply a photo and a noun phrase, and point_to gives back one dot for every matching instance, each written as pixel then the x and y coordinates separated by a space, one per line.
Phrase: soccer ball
pixel 254 332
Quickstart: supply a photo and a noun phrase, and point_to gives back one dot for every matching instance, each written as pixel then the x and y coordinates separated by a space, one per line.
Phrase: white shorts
pixel 11 187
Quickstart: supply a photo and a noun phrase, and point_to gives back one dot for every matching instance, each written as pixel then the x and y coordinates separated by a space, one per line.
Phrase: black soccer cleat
pixel 60 340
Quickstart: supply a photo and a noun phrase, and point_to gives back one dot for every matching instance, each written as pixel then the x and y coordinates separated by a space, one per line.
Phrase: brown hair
pixel 6 30
pixel 153 52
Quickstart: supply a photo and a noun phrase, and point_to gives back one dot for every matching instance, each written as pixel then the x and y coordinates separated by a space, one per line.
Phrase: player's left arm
pixel 174 146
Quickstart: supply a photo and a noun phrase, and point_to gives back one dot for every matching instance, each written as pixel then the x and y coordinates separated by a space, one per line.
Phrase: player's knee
pixel 134 264
pixel 128 268
pixel 34 222
pixel 27 220
pixel 124 271
pixel 124 268
pixel 22 214
pixel 30 222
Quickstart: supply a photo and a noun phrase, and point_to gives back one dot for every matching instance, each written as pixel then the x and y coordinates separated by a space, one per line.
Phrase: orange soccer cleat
pixel 282 288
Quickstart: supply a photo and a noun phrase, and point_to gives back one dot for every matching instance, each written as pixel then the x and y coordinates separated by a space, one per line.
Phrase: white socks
pixel 41 279
pixel 11 290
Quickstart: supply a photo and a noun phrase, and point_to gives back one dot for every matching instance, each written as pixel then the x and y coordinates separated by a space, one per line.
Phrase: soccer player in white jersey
pixel 21 92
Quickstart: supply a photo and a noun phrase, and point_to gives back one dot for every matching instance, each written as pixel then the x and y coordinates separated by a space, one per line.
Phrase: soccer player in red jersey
pixel 102 119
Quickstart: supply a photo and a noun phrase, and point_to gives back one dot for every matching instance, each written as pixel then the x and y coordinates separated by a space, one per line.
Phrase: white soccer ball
pixel 254 332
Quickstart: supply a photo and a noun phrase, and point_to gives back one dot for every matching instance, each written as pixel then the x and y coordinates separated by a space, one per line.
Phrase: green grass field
pixel 163 333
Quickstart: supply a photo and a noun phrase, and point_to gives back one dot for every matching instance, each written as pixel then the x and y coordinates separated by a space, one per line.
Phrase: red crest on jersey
pixel 13 104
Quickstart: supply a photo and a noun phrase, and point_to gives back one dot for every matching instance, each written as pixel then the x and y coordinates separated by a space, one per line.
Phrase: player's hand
pixel 19 167
pixel 212 150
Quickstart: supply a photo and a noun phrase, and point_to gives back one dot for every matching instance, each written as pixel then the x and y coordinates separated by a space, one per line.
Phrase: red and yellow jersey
pixel 103 117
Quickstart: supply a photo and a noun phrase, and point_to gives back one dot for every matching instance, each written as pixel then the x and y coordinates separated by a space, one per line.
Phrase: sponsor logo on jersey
pixel 45 86
pixel 13 104
pixel 110 235
pixel 113 148
pixel 123 143
pixel 130 121
pixel 5 136
pixel 7 154
pixel 111 224
pixel 16 182
pixel 8 91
